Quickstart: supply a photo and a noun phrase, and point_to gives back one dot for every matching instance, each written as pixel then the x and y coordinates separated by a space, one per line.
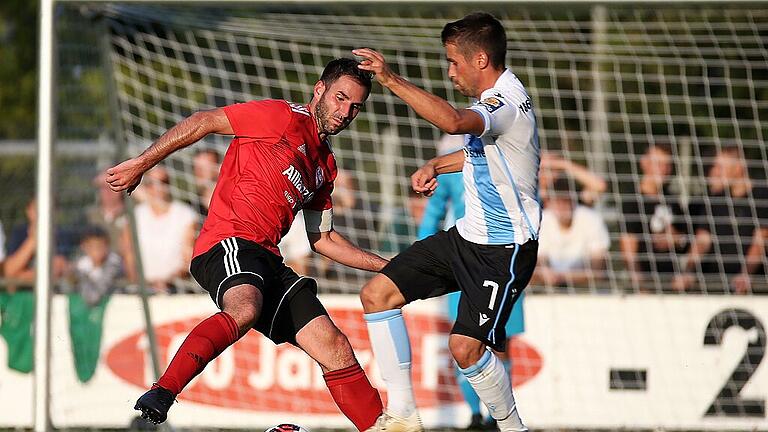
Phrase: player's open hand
pixel 424 180
pixel 373 61
pixel 125 176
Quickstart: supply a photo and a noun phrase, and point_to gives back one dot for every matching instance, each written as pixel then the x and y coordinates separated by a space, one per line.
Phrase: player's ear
pixel 481 60
pixel 319 89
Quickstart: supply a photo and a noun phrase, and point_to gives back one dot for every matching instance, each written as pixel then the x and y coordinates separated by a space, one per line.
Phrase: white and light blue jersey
pixel 501 168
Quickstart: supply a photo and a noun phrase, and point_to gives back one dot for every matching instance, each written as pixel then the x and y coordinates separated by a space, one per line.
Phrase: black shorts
pixel 290 300
pixel 490 278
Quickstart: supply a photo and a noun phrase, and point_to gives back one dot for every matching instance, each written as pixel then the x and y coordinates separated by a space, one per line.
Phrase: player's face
pixel 460 71
pixel 338 104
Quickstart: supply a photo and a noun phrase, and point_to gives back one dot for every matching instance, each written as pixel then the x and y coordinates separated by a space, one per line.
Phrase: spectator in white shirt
pixel 166 229
pixel 574 240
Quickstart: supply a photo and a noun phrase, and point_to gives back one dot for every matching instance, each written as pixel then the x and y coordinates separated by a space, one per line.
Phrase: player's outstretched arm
pixel 127 175
pixel 336 247
pixel 434 109
pixel 424 180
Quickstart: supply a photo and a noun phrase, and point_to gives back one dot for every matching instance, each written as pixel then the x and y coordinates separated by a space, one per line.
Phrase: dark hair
pixel 93 232
pixel 478 30
pixel 663 146
pixel 211 152
pixel 562 188
pixel 340 67
pixel 732 149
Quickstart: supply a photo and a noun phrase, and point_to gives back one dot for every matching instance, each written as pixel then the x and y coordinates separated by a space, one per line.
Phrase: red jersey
pixel 275 166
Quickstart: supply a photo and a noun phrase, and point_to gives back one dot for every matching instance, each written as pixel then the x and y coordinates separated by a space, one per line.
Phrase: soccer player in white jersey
pixel 491 253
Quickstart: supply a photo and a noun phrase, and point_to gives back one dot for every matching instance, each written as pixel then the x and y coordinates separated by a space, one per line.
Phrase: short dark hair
pixel 661 145
pixel 478 30
pixel 340 67
pixel 562 188
pixel 93 232
pixel 211 152
pixel 732 149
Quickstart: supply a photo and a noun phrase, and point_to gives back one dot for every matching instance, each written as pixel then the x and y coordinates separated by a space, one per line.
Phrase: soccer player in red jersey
pixel 278 163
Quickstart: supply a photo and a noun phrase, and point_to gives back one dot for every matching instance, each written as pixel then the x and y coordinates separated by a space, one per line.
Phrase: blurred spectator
pixel 656 229
pixel 109 211
pixel 95 273
pixel 574 240
pixel 22 245
pixel 17 308
pixel 348 209
pixel 205 164
pixel 397 236
pixel 732 222
pixel 349 220
pixel 96 270
pixel 166 229
pixel 589 185
pixel 294 246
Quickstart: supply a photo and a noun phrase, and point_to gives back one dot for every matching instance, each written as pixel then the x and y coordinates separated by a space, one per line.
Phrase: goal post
pixel 45 120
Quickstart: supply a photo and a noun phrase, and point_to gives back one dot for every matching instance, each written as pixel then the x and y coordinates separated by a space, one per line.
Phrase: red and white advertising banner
pixel 585 361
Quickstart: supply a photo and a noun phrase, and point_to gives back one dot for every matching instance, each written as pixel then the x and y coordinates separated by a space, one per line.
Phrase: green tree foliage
pixel 18 64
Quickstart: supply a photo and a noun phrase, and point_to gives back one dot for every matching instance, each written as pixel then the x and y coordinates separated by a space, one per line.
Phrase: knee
pixel 380 294
pixel 243 304
pixel 346 356
pixel 245 315
pixel 342 353
pixel 465 350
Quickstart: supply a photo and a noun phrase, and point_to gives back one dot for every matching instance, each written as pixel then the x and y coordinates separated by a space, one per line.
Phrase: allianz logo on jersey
pixel 294 176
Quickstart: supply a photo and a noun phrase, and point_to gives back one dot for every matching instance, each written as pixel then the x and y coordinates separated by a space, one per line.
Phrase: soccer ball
pixel 286 427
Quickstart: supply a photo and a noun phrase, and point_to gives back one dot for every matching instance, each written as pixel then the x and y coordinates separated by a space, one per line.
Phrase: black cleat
pixel 476 424
pixel 490 424
pixel 154 404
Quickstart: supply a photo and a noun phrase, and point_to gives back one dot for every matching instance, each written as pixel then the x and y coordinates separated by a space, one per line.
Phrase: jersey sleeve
pixel 318 213
pixel 545 246
pixel 498 112
pixel 263 119
pixel 322 199
pixel 318 221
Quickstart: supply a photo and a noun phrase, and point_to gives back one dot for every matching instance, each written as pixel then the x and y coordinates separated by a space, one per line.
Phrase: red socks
pixel 354 395
pixel 350 388
pixel 203 344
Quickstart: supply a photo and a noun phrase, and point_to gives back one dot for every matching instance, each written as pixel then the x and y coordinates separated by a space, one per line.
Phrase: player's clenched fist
pixel 424 180
pixel 125 176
